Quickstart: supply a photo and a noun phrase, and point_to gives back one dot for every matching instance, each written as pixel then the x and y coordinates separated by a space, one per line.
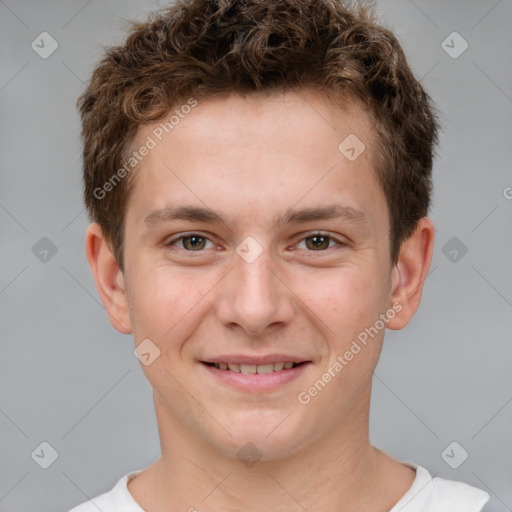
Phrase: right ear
pixel 108 277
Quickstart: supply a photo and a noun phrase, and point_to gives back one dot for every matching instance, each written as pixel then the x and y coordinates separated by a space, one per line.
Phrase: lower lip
pixel 257 381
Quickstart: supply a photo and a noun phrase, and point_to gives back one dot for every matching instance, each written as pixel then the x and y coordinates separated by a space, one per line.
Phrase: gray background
pixel 68 378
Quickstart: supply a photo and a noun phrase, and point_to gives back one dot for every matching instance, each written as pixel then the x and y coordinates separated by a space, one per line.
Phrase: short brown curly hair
pixel 203 48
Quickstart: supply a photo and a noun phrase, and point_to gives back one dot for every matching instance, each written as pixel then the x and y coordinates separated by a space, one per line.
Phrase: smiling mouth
pixel 253 368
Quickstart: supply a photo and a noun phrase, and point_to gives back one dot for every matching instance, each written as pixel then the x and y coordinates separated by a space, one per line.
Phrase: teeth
pixel 253 368
pixel 265 368
pixel 248 368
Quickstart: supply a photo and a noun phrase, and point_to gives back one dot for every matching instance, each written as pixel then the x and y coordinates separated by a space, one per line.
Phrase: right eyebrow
pixel 173 213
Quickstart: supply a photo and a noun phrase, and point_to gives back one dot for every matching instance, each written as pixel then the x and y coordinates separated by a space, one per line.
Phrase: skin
pixel 250 159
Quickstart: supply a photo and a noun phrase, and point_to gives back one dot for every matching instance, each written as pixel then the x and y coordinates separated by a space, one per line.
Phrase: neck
pixel 341 472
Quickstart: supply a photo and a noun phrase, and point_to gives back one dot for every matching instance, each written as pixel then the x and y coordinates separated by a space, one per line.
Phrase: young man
pixel 258 174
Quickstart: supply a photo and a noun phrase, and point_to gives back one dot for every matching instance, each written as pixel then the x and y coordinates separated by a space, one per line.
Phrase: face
pixel 253 242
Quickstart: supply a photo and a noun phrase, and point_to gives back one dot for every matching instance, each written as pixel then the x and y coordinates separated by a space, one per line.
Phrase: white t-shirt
pixel 426 494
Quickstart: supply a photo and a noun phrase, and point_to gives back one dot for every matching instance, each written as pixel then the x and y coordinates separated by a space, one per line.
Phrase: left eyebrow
pixel 334 211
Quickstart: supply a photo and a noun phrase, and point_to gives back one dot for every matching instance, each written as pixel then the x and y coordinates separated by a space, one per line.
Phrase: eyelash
pixel 338 242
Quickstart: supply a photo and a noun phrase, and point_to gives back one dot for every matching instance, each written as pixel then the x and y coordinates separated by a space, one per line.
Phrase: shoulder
pixel 435 494
pixel 451 495
pixel 118 499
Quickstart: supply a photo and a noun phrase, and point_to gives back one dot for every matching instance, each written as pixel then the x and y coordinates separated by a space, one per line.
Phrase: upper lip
pixel 255 360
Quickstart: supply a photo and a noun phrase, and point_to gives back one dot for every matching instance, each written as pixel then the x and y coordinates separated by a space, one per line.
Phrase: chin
pixel 251 442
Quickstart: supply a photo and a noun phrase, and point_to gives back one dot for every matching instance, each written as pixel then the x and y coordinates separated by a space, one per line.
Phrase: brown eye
pixel 193 243
pixel 190 242
pixel 317 242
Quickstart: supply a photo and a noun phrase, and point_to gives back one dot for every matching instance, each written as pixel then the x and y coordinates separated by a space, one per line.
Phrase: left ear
pixel 410 272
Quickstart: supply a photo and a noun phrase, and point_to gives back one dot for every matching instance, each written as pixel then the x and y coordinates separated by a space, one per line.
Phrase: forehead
pixel 235 118
pixel 261 150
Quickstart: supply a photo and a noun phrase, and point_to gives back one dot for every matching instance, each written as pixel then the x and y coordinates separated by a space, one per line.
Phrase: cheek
pixel 345 299
pixel 163 303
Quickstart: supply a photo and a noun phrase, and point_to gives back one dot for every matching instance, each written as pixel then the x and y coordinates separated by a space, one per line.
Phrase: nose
pixel 254 297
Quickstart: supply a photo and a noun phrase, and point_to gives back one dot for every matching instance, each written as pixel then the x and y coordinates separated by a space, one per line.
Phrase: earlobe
pixel 410 272
pixel 108 277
